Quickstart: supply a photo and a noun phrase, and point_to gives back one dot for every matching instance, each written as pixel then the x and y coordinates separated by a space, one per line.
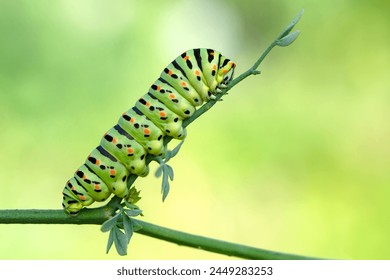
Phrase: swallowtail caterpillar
pixel 192 79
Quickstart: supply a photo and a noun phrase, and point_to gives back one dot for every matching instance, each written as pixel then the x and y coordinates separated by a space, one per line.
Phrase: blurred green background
pixel 295 160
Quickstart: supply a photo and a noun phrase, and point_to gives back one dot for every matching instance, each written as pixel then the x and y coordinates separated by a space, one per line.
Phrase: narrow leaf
pixel 168 155
pixel 292 24
pixel 164 180
pixel 169 171
pixel 165 187
pixel 159 170
pixel 131 205
pixel 287 40
pixel 110 241
pixel 109 224
pixel 128 227
pixel 176 149
pixel 133 212
pixel 120 241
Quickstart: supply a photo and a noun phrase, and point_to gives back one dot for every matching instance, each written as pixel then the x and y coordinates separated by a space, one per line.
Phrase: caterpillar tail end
pixel 73 209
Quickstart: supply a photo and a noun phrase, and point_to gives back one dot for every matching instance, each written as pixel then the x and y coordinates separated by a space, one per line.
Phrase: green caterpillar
pixel 191 79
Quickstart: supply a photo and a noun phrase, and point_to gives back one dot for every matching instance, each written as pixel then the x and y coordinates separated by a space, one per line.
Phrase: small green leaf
pixel 165 186
pixel 168 155
pixel 287 40
pixel 120 241
pixel 292 24
pixel 133 197
pixel 110 240
pixel 169 171
pixel 133 212
pixel 159 170
pixel 164 179
pixel 130 205
pixel 128 227
pixel 176 149
pixel 109 224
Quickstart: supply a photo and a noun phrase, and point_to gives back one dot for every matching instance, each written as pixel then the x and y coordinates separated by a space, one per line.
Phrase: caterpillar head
pixel 225 71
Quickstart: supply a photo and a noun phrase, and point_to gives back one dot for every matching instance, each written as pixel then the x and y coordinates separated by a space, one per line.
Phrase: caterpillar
pixel 187 82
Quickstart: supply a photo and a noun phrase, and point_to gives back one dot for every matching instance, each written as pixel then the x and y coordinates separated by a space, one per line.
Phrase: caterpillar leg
pixel 126 149
pixel 110 170
pixel 75 197
pixel 166 120
pixel 135 123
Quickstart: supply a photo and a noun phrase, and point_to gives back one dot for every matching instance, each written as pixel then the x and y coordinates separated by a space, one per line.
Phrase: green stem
pixel 97 216
pixel 214 245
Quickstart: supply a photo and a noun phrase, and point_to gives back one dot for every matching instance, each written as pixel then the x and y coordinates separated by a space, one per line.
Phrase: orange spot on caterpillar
pixel 183 84
pixel 172 96
pixel 82 197
pixel 186 57
pixel 112 172
pixel 214 67
pixel 114 140
pixel 147 131
pixel 162 114
pixel 170 72
pixel 132 120
pixel 224 71
pixel 130 150
pixel 97 187
pixel 84 177
pixel 197 72
pixel 158 88
pixel 97 162
pixel 147 103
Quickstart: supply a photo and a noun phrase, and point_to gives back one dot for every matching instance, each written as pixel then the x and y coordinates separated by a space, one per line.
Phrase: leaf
pixel 169 171
pixel 133 212
pixel 159 170
pixel 176 149
pixel 287 40
pixel 165 186
pixel 292 24
pixel 120 241
pixel 109 224
pixel 128 227
pixel 133 198
pixel 110 240
pixel 164 181
pixel 168 155
pixel 130 205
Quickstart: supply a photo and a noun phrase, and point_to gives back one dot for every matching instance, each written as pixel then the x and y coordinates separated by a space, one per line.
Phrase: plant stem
pixel 214 245
pixel 98 215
